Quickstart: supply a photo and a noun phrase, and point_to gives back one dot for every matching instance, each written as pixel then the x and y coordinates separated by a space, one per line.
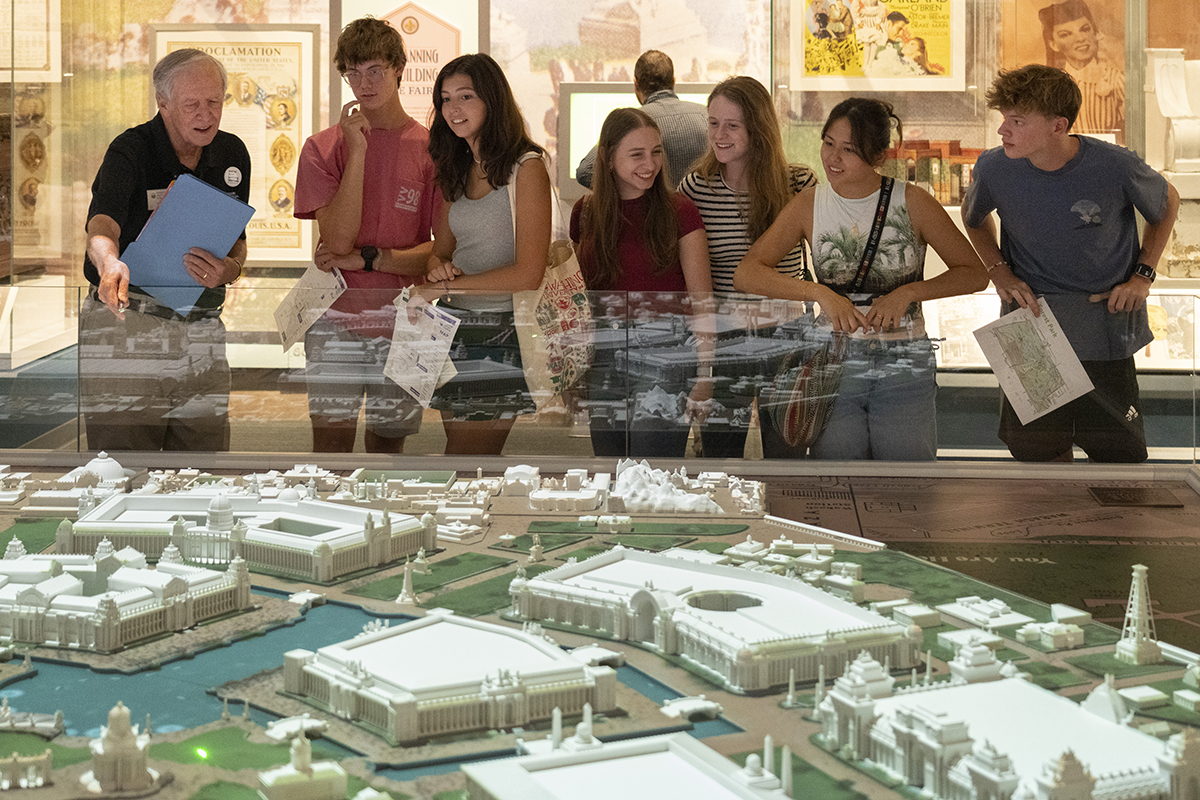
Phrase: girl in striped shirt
pixel 740 185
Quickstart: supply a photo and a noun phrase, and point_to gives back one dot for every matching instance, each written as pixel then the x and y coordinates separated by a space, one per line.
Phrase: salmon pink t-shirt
pixel 401 200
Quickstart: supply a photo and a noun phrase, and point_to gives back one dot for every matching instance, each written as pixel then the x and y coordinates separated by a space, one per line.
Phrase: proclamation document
pixel 1033 362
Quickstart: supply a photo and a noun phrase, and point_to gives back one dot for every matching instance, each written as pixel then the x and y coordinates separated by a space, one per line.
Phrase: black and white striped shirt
pixel 723 211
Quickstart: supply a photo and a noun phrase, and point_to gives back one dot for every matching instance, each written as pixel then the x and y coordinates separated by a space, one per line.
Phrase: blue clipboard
pixel 193 214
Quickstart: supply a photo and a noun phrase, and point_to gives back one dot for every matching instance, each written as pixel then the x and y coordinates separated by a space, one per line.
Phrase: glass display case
pixel 79 74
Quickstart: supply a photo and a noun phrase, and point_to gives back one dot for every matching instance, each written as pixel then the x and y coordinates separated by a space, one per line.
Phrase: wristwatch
pixel 369 254
pixel 1146 271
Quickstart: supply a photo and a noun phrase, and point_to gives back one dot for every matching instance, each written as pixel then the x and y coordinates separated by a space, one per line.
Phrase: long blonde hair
pixel 768 168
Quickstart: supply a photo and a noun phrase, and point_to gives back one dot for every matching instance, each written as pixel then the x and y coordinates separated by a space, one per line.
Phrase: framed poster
pixel 434 34
pixel 31 41
pixel 1084 37
pixel 37 202
pixel 272 105
pixel 878 45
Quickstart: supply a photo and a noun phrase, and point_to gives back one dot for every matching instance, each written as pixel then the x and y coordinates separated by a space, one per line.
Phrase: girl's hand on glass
pixel 888 312
pixel 840 312
pixel 446 271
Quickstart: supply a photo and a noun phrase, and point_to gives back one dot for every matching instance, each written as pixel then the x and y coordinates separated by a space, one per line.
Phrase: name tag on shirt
pixel 154 197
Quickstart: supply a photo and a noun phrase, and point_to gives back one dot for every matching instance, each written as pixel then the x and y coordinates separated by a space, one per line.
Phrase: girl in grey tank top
pixel 482 250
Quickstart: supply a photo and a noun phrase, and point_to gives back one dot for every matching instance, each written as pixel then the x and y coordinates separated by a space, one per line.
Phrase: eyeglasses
pixel 353 76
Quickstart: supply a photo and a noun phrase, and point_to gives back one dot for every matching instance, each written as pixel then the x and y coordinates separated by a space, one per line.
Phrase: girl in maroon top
pixel 647 244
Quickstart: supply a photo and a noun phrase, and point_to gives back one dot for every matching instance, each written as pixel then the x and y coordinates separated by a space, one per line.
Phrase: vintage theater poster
pixel 878 45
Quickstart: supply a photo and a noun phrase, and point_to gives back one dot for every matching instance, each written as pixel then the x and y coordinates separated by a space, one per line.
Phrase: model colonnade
pixel 694 219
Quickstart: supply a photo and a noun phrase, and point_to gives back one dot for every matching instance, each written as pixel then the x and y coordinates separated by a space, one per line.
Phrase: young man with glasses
pixel 369 182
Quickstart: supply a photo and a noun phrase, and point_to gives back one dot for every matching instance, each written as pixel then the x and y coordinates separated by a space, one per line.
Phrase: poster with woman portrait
pixel 1087 39
pixel 878 45
pixel 271 104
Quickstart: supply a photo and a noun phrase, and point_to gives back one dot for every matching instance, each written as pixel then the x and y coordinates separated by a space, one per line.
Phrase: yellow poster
pixel 891 45
pixel 269 106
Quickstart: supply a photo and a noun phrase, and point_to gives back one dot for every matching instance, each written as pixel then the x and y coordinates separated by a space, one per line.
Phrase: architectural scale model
pixel 119 757
pixel 310 539
pixel 1139 643
pixel 302 778
pixel 639 489
pixel 26 772
pixel 107 601
pixel 744 628
pixel 80 489
pixel 445 674
pixel 991 733
pixel 673 767
pixel 772 609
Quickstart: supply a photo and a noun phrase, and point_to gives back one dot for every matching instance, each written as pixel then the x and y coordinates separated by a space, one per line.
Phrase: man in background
pixel 684 125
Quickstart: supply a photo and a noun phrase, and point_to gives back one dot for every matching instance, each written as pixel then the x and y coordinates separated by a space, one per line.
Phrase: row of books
pixel 943 168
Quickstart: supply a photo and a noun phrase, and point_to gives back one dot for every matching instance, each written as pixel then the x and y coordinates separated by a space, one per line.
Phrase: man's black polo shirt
pixel 142 160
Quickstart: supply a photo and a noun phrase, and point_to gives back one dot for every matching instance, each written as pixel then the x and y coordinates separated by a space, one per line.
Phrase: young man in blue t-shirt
pixel 1069 234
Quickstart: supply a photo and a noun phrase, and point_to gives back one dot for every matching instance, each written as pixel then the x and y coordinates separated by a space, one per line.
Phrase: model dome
pixel 105 468
pixel 220 504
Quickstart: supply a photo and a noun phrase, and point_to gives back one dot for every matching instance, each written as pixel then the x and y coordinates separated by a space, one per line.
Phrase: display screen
pixel 583 107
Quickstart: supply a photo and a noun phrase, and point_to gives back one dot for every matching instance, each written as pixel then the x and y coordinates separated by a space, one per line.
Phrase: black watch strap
pixel 1146 271
pixel 369 254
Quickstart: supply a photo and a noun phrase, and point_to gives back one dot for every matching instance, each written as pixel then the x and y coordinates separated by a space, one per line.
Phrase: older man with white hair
pixel 174 396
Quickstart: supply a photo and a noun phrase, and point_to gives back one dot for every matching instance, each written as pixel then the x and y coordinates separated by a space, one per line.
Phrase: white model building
pixel 984 735
pixel 110 600
pixel 674 767
pixel 79 490
pixel 303 778
pixel 1051 635
pixel 406 482
pixel 745 629
pixel 576 492
pixel 310 539
pixel 119 756
pixel 12 486
pixel 638 489
pixel 444 674
pixel 26 772
pixel 981 613
pixel 641 489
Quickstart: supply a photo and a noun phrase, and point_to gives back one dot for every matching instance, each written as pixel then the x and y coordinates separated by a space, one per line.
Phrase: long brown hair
pixel 502 139
pixel 601 218
pixel 768 168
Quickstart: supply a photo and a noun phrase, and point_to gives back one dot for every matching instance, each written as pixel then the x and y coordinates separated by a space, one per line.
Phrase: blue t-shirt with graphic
pixel 1071 233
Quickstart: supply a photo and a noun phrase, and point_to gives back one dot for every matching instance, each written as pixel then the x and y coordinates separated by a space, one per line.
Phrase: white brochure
pixel 308 300
pixel 419 358
pixel 1034 363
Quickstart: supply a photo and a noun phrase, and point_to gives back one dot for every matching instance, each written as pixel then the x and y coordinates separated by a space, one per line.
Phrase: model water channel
pixel 177 695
